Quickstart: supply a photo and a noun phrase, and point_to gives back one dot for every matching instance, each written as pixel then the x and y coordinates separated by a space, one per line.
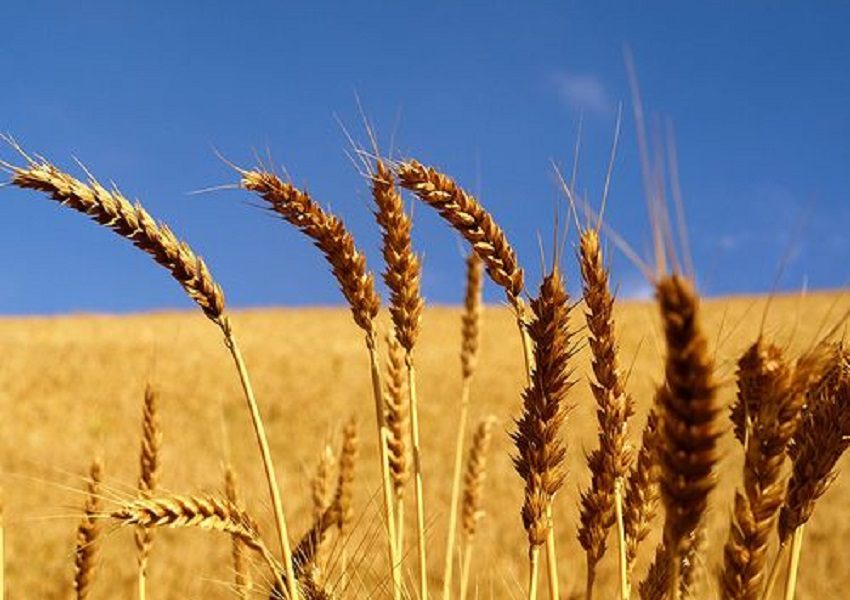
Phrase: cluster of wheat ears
pixel 790 415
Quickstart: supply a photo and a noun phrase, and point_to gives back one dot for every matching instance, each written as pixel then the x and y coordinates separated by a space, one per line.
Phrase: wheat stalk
pixel 88 533
pixel 111 209
pixel 473 494
pixel 689 428
pixel 149 468
pixel 348 265
pixel 601 503
pixel 241 575
pixel 540 450
pixel 470 342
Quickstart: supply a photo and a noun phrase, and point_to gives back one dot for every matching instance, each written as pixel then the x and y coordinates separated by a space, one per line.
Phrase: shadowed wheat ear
pixel 540 449
pixel 473 494
pixel 402 278
pixel 348 265
pixel 323 497
pixel 149 468
pixel 602 502
pixel 764 416
pixel 689 427
pixel 207 512
pixel 88 533
pixel 470 342
pixel 241 574
pixel 132 222
pixel 821 438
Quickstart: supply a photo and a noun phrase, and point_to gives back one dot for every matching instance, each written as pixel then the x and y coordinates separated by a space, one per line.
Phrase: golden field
pixel 71 387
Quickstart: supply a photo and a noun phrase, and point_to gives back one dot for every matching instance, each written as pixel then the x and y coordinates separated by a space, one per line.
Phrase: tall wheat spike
pixel 540 449
pixel 88 533
pixel 689 427
pixel 765 415
pixel 470 342
pixel 821 438
pixel 348 265
pixel 207 512
pixel 149 469
pixel 402 275
pixel 602 502
pixel 241 575
pixel 473 495
pixel 110 208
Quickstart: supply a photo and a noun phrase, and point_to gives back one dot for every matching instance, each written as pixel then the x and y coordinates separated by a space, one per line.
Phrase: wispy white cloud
pixel 582 92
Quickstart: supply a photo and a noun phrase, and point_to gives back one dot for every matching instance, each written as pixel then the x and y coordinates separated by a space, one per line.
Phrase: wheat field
pixel 71 388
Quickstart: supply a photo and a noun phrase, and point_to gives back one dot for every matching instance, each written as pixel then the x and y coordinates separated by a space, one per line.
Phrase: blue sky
pixel 490 91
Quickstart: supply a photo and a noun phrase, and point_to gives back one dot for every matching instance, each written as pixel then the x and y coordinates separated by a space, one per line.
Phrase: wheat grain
pixel 642 493
pixel 397 417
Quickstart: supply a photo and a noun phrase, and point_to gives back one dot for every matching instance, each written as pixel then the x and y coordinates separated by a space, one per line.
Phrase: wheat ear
pixel 207 512
pixel 821 438
pixel 241 575
pixel 689 428
pixel 473 495
pixel 148 478
pixel 601 503
pixel 88 534
pixel 642 494
pixel 323 497
pixel 402 275
pixel 398 423
pixel 345 483
pixel 468 217
pixel 540 450
pixel 764 416
pixel 470 342
pixel 111 209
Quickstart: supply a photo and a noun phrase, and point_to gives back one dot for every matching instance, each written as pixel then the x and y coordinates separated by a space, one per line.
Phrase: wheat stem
pixel 418 479
pixel 794 563
pixel 465 567
pixel 774 572
pixel 533 568
pixel 625 592
pixel 265 452
pixel 456 479
pixel 383 434
pixel 551 556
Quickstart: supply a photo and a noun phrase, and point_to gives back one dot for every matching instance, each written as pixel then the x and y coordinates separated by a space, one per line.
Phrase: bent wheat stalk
pixel 357 284
pixel 110 208
pixel 470 332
